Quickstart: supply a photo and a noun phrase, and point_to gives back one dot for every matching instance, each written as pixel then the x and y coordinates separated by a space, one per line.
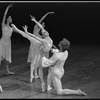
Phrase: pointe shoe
pixel 81 93
pixel 11 73
pixel 43 87
pixel 36 76
pixel 49 88
pixel 1 88
pixel 31 79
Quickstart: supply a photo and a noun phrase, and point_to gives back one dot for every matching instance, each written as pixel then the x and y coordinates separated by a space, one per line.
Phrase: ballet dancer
pixel 36 31
pixel 5 41
pixel 57 71
pixel 45 47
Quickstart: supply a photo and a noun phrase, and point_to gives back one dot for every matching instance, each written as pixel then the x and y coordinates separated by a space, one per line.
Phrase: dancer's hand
pixel 32 17
pixel 10 5
pixel 25 28
pixel 50 13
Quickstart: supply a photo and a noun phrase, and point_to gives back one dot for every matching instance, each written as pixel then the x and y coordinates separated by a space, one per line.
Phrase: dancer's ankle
pixel 49 88
pixel 43 87
pixel 80 92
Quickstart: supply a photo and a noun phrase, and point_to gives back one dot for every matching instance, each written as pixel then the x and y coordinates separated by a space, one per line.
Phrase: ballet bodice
pixel 6 32
pixel 47 44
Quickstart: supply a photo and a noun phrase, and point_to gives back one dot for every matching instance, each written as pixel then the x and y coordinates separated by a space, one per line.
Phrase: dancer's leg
pixel 7 67
pixel 1 88
pixel 60 91
pixel 49 80
pixel 36 71
pixel 37 65
pixel 41 78
pixel 69 91
pixel 31 72
pixel 47 55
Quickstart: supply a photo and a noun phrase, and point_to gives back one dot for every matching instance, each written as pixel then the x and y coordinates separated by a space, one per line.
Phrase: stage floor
pixel 82 71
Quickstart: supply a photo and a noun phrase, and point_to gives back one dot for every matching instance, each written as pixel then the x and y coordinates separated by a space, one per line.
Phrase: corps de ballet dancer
pixel 5 41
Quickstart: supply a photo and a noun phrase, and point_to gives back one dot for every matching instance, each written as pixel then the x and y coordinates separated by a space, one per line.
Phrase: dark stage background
pixel 78 22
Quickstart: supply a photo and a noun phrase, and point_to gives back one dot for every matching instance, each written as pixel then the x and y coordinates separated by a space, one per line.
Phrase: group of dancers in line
pixel 40 46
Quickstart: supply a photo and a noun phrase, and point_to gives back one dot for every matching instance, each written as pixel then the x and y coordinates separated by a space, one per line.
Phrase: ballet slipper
pixel 31 79
pixel 1 88
pixel 11 73
pixel 81 93
pixel 49 88
pixel 36 76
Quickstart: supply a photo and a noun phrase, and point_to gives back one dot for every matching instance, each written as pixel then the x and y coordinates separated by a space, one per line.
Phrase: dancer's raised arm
pixel 32 35
pixel 19 31
pixel 33 19
pixel 36 29
pixel 5 13
pixel 45 16
pixel 24 34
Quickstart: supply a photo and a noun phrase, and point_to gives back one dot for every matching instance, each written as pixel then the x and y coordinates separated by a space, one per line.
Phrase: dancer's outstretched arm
pixel 48 62
pixel 21 32
pixel 33 19
pixel 32 35
pixel 5 13
pixel 35 30
pixel 45 16
pixel 54 46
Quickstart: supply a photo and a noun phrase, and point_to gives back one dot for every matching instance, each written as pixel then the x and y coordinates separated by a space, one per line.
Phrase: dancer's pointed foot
pixel 36 76
pixel 1 88
pixel 81 93
pixel 11 73
pixel 43 87
pixel 49 88
pixel 31 79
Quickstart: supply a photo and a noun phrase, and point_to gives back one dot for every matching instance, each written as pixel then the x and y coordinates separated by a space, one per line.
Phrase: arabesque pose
pixel 45 44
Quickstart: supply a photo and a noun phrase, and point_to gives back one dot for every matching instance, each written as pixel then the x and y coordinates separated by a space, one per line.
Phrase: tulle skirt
pixel 34 54
pixel 5 50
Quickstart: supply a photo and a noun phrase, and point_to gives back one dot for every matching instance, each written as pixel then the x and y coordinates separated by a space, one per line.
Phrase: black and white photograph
pixel 50 49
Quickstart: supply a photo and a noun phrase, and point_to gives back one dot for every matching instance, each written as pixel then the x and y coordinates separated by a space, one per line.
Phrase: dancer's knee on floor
pixel 59 92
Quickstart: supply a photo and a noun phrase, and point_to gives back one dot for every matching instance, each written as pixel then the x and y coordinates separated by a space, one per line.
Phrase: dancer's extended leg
pixel 7 67
pixel 60 91
pixel 42 79
pixel 36 75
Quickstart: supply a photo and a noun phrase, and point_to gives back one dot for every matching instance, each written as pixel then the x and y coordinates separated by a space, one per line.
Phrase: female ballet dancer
pixel 57 71
pixel 48 43
pixel 35 55
pixel 43 49
pixel 36 31
pixel 5 41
